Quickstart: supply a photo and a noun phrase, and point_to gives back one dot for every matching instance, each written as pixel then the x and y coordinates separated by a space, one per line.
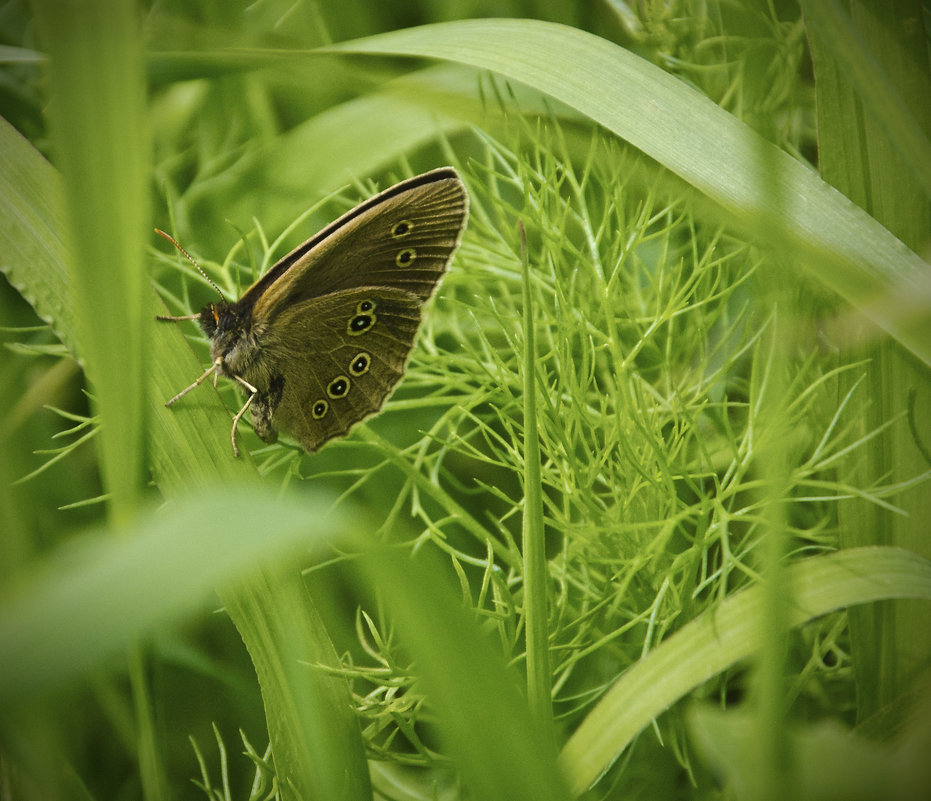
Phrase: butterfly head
pixel 220 320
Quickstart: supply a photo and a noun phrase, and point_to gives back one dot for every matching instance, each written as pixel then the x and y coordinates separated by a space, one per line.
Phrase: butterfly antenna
pixel 188 256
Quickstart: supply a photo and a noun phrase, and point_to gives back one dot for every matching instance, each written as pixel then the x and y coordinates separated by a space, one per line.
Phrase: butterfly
pixel 321 340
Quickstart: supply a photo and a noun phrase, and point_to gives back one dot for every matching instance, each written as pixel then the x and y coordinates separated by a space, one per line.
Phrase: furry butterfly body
pixel 321 340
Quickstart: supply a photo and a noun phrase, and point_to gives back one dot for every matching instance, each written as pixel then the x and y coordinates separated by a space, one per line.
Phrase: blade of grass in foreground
pixel 726 634
pixel 96 79
pixel 879 95
pixel 278 631
pixel 82 608
pixel 91 601
pixel 891 642
pixel 683 130
pixel 315 738
pixel 486 724
pixel 96 84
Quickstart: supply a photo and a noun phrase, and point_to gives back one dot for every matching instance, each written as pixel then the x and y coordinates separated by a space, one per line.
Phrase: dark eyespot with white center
pixel 360 364
pixel 338 387
pixel 363 319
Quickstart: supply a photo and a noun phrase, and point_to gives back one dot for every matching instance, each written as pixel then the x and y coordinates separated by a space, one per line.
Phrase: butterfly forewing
pixel 402 238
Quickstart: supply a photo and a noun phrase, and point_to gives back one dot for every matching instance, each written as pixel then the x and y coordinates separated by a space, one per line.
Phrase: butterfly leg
pixel 252 393
pixel 212 369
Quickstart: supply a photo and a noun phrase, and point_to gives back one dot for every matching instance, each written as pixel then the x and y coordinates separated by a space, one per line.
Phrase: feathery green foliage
pixel 706 430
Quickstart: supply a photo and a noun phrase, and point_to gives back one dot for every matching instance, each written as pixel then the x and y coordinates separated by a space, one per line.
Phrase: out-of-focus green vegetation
pixel 729 363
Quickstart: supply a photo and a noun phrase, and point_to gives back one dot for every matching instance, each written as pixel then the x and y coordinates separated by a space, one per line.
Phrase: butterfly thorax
pixel 232 339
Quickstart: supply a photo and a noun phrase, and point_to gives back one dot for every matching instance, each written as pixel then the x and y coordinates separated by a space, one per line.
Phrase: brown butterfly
pixel 320 341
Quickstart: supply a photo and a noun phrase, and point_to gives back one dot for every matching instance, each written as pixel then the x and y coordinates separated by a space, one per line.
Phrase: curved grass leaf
pixel 98 596
pixel 32 225
pixel 753 181
pixel 726 634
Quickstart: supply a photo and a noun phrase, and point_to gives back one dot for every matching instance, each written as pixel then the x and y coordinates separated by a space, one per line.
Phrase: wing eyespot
pixel 363 319
pixel 405 257
pixel 360 364
pixel 401 229
pixel 338 387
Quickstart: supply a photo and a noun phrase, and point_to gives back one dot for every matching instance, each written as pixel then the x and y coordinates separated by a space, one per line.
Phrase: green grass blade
pixel 878 93
pixel 31 227
pixel 539 677
pixel 91 601
pixel 102 150
pixel 190 450
pixel 726 634
pixel 315 738
pixel 95 52
pixel 828 760
pixel 841 245
pixel 362 135
pixel 486 723
pixel 890 642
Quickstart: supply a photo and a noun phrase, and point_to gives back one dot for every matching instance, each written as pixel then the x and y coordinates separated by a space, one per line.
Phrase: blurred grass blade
pixel 879 95
pixel 97 596
pixel 828 761
pixel 726 634
pixel 683 130
pixel 314 733
pixel 482 717
pixel 890 642
pixel 96 113
pixel 361 136
pixel 97 121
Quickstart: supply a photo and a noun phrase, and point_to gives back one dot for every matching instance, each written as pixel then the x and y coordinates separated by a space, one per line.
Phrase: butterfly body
pixel 321 340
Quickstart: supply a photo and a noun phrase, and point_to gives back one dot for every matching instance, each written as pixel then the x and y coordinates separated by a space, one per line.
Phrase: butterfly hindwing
pixel 344 354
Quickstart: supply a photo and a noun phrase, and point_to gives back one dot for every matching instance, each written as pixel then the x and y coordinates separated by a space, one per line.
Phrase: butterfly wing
pixel 335 360
pixel 402 238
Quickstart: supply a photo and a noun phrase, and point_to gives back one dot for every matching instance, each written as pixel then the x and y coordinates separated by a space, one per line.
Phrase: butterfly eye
pixel 360 364
pixel 319 409
pixel 402 229
pixel 405 257
pixel 338 387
